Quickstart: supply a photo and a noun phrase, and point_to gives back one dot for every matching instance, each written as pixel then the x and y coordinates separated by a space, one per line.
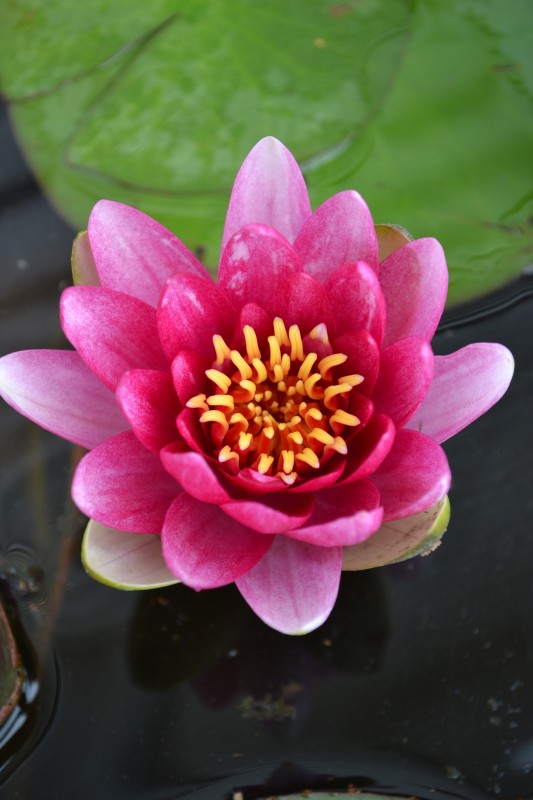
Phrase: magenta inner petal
pixel 149 402
pixel 369 449
pixel 342 516
pixel 123 485
pixel 190 312
pixel 301 301
pixel 273 513
pixel 363 358
pixel 341 231
pixel 188 374
pixel 204 548
pixel 111 331
pixel 414 281
pixel 196 475
pixel 414 476
pixel 255 262
pixel 404 379
pixel 355 294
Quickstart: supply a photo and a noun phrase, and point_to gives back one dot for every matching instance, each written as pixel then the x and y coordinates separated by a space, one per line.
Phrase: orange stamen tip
pixel 275 352
pixel 219 379
pixel 252 345
pixel 327 363
pixel 225 400
pixel 287 479
pixel 244 368
pixel 226 454
pixel 297 348
pixel 280 332
pixel 352 380
pixel 321 436
pixel 320 332
pixel 331 391
pixel 222 350
pixel 265 462
pixel 308 457
pixel 213 415
pixel 198 401
pixel 345 418
pixel 287 458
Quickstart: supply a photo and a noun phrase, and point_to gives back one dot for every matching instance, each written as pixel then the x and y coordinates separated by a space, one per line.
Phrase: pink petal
pixel 414 282
pixel 194 473
pixel 188 374
pixel 122 485
pixel 465 385
pixel 84 270
pixel 363 358
pixel 254 316
pixel 341 231
pixel 249 481
pixel 134 253
pixel 404 378
pixel 413 477
pixel 204 548
pixel 254 262
pixel 274 513
pixel 368 449
pixel 294 586
pixel 56 390
pixel 329 475
pixel 191 429
pixel 149 403
pixel 302 301
pixel 112 332
pixel 269 190
pixel 355 294
pixel 342 516
pixel 190 312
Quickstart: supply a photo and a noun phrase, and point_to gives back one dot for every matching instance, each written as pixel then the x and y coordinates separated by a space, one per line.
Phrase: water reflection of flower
pixel 268 425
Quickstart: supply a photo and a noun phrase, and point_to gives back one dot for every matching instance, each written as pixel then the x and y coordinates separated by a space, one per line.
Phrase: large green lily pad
pixel 424 107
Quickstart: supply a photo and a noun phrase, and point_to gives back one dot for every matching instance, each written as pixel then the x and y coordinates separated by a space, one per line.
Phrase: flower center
pixel 281 411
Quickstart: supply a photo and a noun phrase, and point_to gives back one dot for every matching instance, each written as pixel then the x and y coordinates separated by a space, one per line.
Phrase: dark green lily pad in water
pixel 424 107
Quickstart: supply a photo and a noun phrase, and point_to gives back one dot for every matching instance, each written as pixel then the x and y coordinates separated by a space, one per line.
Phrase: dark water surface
pixel 419 682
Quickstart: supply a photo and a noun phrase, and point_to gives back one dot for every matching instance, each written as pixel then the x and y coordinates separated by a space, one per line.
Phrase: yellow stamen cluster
pixel 278 411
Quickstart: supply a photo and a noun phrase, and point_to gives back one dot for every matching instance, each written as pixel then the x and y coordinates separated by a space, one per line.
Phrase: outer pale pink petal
pixel 414 281
pixel 134 253
pixel 341 231
pixel 294 587
pixel 194 473
pixel 270 190
pixel 111 331
pixel 302 301
pixel 355 294
pixel 369 448
pixel 149 403
pixel 342 516
pixel 56 390
pixel 274 513
pixel 83 267
pixel 465 385
pixel 404 378
pixel 413 477
pixel 253 264
pixel 122 485
pixel 190 312
pixel 205 548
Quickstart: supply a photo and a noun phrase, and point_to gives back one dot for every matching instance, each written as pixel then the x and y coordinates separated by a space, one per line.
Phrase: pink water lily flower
pixel 259 428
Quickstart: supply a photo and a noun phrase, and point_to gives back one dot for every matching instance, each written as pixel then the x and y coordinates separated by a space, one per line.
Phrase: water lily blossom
pixel 268 426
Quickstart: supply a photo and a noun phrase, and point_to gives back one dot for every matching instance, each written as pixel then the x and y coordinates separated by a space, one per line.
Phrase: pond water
pixel 418 683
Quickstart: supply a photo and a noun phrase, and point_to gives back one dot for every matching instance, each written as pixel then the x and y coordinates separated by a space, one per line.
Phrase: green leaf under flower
pixel 422 107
